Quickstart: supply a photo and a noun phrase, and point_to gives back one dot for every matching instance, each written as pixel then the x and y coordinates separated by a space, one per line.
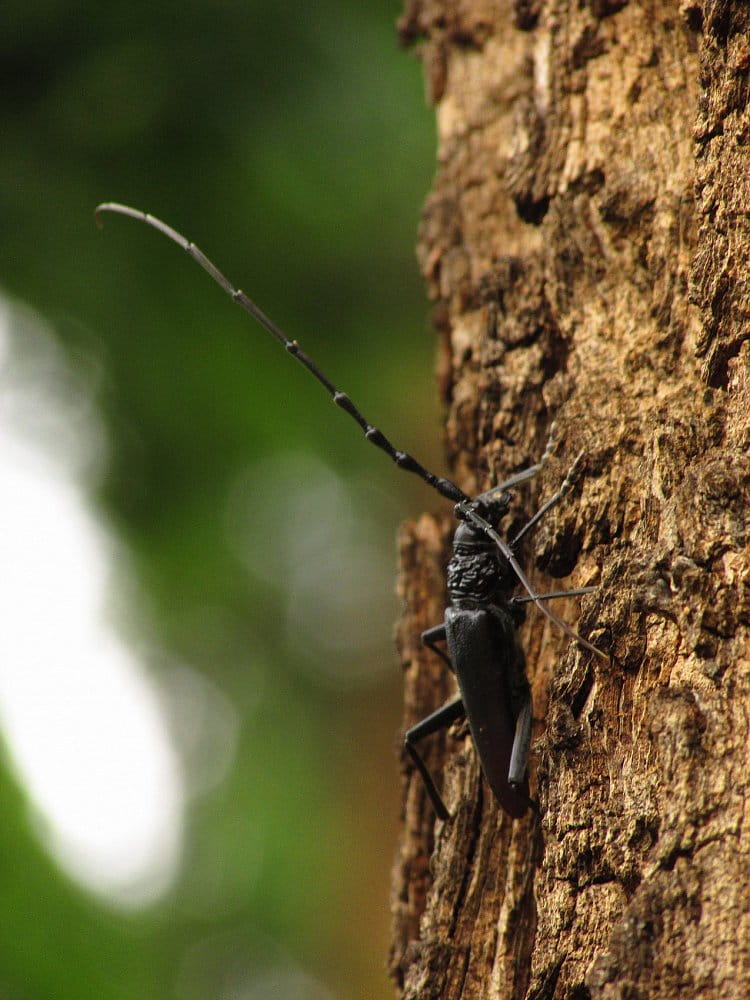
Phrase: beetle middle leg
pixel 441 718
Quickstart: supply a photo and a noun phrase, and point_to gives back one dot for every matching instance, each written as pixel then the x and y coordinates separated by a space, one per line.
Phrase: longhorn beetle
pixel 480 626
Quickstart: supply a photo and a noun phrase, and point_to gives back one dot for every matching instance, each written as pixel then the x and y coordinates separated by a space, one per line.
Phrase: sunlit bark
pixel 587 245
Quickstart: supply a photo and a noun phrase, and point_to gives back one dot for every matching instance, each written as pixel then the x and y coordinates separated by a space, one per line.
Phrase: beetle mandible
pixel 480 626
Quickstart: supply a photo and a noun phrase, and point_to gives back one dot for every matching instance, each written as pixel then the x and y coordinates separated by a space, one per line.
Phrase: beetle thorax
pixel 473 574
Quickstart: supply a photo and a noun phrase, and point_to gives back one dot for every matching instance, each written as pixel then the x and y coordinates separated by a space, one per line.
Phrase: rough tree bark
pixel 587 243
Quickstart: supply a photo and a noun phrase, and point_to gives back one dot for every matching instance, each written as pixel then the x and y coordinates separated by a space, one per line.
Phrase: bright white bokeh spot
pixel 81 719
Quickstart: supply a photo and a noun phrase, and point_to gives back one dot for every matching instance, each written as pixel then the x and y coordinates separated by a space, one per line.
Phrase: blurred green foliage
pixel 291 142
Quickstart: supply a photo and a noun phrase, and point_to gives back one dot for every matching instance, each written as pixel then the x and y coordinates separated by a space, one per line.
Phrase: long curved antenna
pixel 402 459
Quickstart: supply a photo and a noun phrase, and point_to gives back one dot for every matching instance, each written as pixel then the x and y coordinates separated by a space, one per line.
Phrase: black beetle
pixel 480 630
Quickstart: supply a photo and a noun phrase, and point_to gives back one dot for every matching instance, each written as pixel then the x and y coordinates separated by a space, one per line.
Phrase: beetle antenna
pixel 402 459
pixel 465 512
pixel 524 599
pixel 465 507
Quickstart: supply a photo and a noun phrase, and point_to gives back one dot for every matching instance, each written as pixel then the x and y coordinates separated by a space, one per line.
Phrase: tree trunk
pixel 587 243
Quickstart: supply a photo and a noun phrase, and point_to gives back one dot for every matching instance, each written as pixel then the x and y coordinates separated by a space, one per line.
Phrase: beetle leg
pixel 439 719
pixel 431 636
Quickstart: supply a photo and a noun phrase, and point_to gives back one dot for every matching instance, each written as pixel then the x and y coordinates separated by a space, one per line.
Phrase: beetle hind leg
pixel 437 720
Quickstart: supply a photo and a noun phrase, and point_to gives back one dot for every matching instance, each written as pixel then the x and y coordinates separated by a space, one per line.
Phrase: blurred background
pixel 199 695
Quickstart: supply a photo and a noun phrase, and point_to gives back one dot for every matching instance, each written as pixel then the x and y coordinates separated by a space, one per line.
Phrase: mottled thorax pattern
pixel 472 576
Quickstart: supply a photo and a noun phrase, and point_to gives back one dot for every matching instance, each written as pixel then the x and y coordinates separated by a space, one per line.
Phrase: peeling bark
pixel 587 243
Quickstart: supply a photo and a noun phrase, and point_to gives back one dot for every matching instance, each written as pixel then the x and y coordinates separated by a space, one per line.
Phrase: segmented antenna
pixel 402 459
pixel 465 512
pixel 465 508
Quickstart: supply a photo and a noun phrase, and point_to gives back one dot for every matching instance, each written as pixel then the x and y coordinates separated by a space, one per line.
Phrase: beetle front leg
pixel 437 720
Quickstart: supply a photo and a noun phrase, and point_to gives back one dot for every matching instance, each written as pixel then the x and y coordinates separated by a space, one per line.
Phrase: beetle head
pixel 491 507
